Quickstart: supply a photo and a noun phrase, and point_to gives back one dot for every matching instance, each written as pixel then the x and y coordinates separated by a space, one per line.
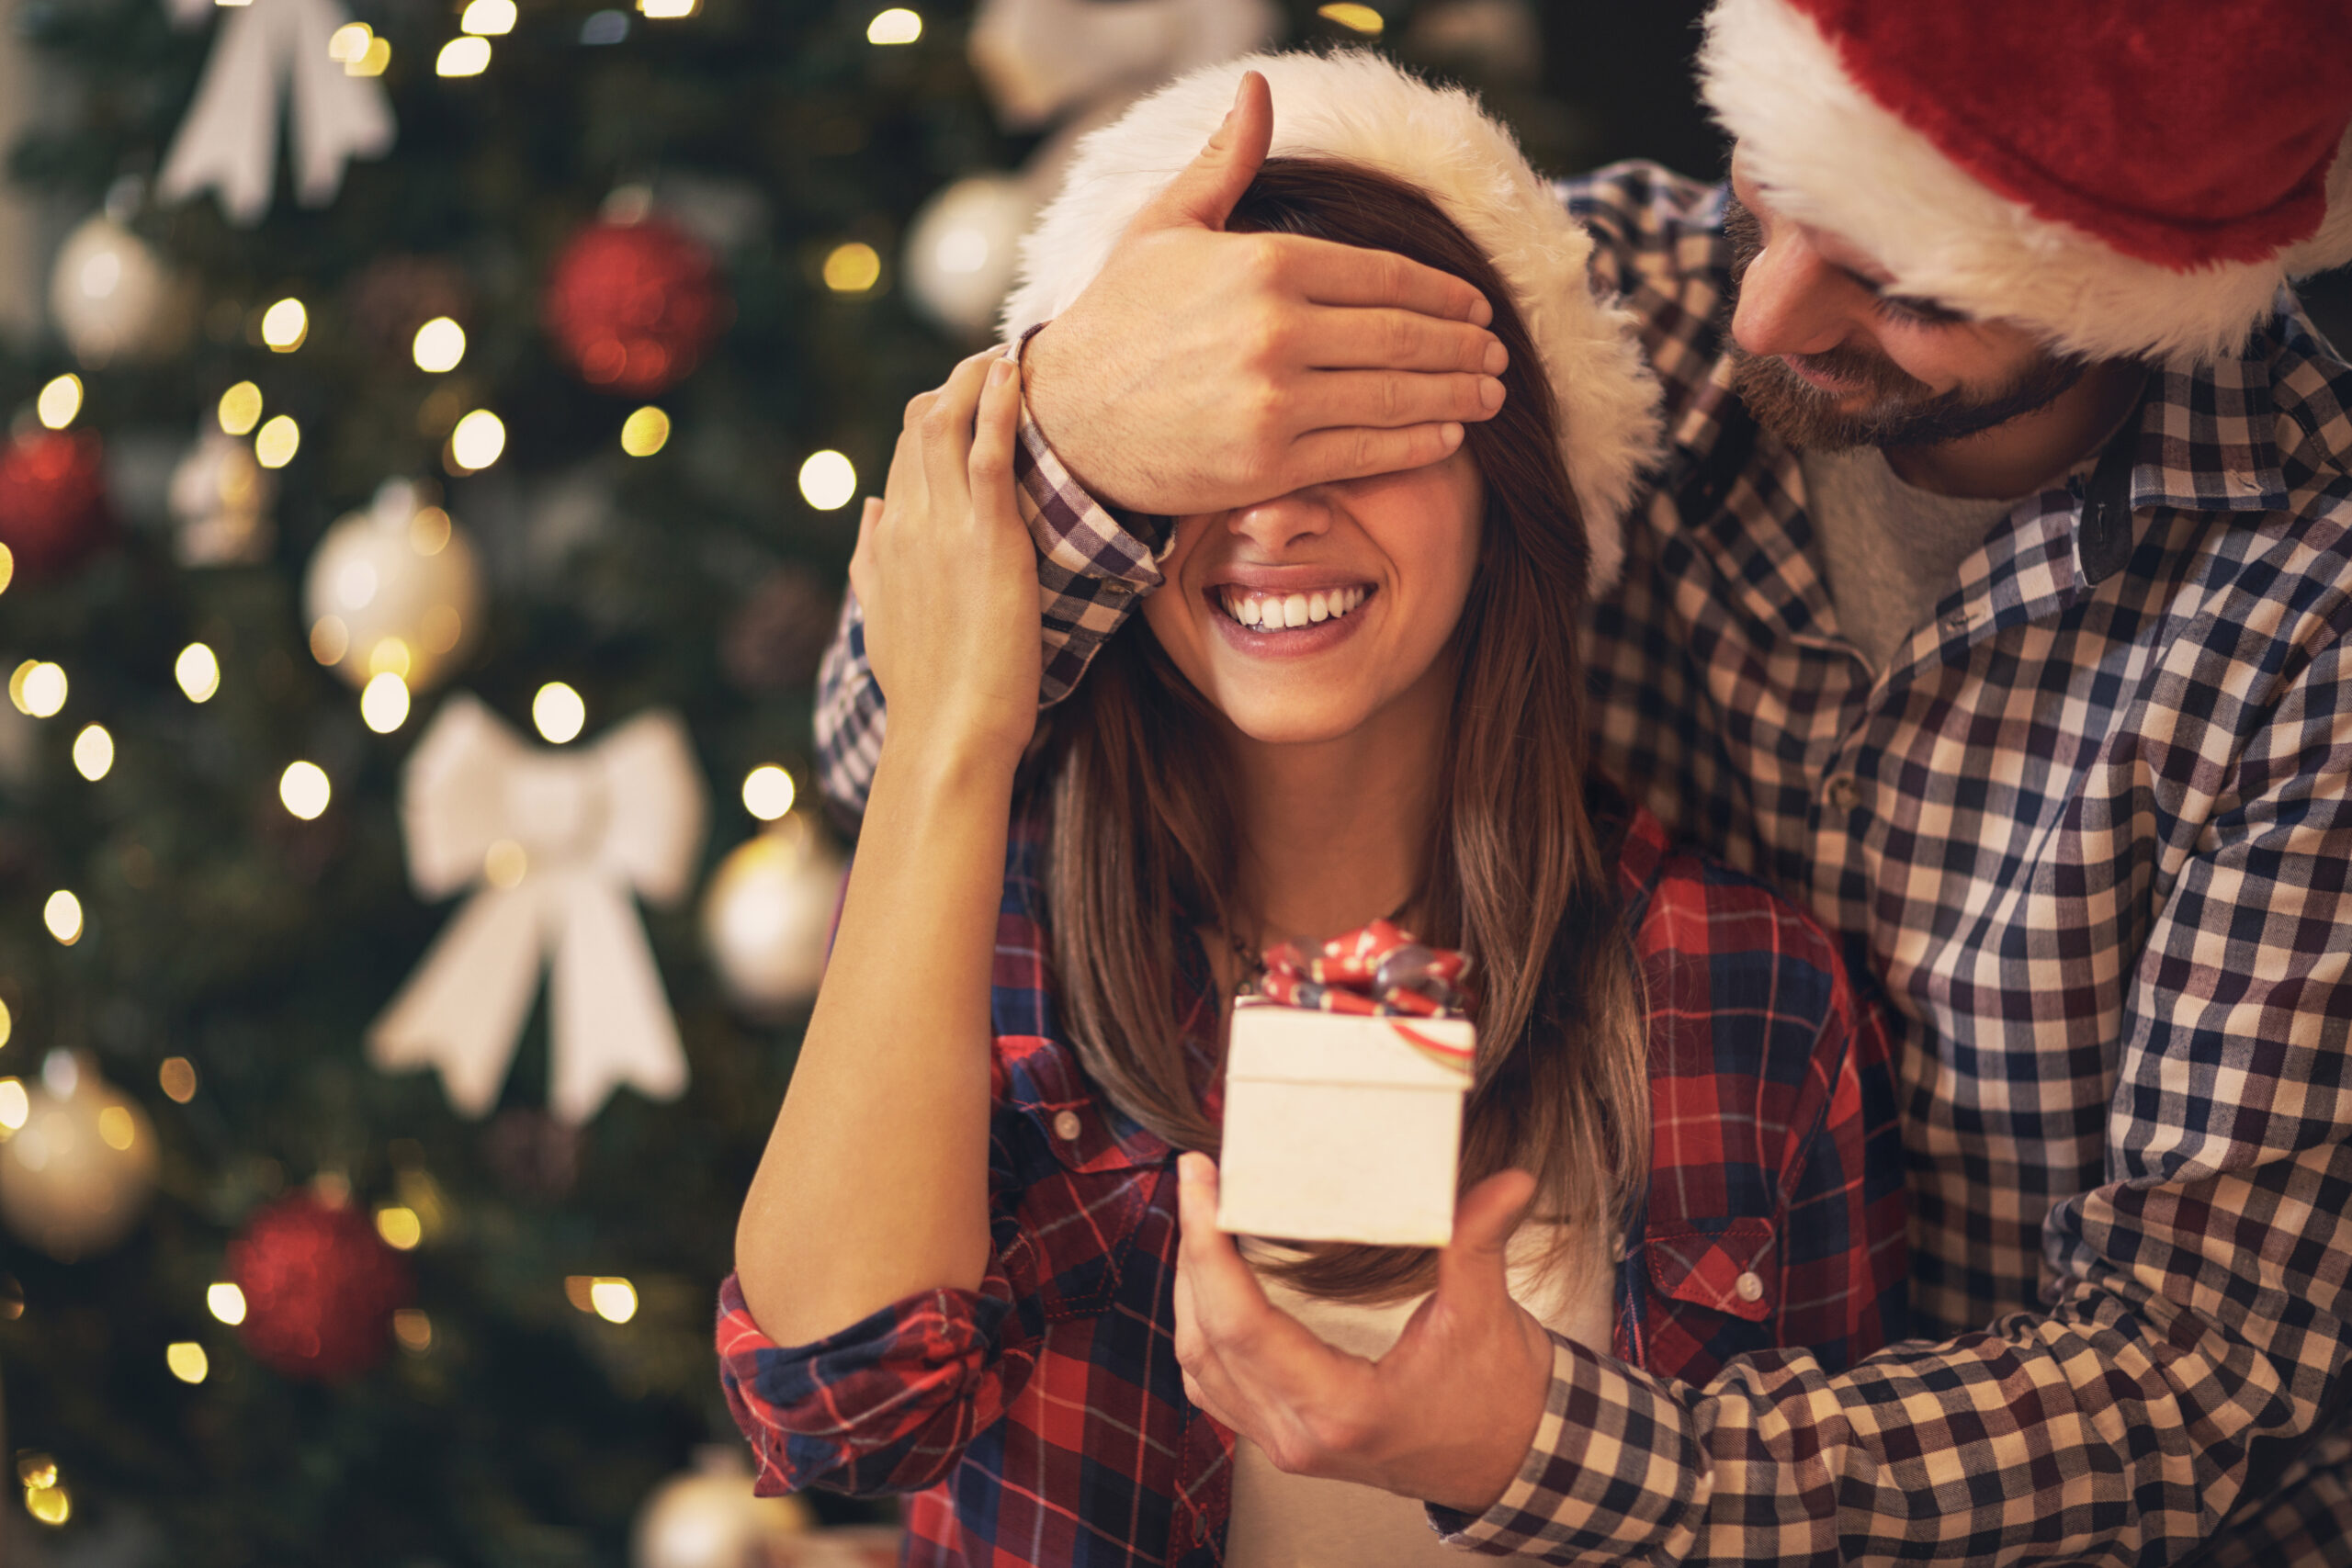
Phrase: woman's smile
pixel 1285 622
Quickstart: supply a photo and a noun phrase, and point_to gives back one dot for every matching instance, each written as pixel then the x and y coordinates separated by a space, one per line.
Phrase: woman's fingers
pixel 946 428
pixel 989 464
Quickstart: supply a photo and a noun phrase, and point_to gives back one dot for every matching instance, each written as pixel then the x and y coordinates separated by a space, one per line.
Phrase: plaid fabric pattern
pixel 2092 831
pixel 1042 1419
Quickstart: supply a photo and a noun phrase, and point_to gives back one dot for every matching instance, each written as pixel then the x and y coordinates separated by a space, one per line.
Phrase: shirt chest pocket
pixel 1726 1266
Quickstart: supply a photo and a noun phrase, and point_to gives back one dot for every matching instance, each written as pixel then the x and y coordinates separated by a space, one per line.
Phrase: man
pixel 1994 599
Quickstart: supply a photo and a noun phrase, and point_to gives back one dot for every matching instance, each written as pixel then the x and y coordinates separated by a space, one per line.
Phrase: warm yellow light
pixel 38 689
pixel 666 10
pixel 284 326
pixel 440 345
pixel 275 447
pixel 644 432
pixel 463 57
pixel 491 18
pixel 92 752
pixel 372 63
pixel 827 480
pixel 383 703
pixel 177 1077
pixel 62 916
pixel 614 1300
pixel 198 671
pixel 429 531
pixel 188 1361
pixel 767 792
pixel 304 790
pixel 7 1024
pixel 7 568
pixel 240 408
pixel 479 439
pixel 558 712
pixel 390 656
pixel 1355 18
pixel 505 864
pixel 60 402
pixel 115 1129
pixel 413 1330
pixel 349 42
pixel 50 1504
pixel 897 25
pixel 399 1225
pixel 15 1105
pixel 227 1303
pixel 852 268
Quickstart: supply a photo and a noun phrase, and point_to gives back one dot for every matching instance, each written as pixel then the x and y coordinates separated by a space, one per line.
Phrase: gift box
pixel 1343 1095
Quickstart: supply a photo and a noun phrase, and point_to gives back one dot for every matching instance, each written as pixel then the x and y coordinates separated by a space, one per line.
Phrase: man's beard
pixel 1903 412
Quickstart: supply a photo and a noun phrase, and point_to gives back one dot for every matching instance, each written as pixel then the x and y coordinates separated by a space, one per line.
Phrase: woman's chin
pixel 1301 723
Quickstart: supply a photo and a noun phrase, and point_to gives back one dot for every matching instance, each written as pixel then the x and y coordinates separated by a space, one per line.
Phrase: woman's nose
pixel 1287 520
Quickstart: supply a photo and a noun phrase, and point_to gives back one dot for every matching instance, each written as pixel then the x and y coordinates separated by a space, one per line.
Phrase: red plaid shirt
pixel 1043 1420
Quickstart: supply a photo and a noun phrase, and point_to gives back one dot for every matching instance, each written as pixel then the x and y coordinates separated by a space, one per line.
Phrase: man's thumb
pixel 1483 1221
pixel 1203 194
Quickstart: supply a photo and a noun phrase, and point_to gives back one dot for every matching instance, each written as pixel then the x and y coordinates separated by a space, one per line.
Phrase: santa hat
pixel 2124 177
pixel 1359 109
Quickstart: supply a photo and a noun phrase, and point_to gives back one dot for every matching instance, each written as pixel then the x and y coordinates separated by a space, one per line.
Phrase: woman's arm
pixel 874 1183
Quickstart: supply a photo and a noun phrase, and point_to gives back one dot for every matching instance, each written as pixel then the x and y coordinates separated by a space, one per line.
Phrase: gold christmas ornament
pixel 706 1518
pixel 396 588
pixel 76 1177
pixel 768 914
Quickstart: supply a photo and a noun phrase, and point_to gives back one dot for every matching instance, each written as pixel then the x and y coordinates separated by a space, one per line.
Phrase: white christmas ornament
pixel 961 248
pixel 271 61
pixel 220 501
pixel 708 1517
pixel 554 842
pixel 75 1175
pixel 113 297
pixel 768 912
pixel 397 588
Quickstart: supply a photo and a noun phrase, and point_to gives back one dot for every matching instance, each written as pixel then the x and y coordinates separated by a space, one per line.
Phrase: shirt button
pixel 1749 1287
pixel 1843 793
pixel 1066 1126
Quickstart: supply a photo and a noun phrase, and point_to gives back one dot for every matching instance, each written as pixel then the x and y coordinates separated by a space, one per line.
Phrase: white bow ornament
pixel 228 141
pixel 555 842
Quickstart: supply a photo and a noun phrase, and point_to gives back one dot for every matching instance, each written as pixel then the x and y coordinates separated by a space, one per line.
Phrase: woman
pixel 956 1267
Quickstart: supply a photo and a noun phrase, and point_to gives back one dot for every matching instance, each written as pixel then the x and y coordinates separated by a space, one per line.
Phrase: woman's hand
pixel 947 576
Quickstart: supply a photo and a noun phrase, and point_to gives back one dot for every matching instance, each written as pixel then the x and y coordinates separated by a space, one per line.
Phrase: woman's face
pixel 1302 617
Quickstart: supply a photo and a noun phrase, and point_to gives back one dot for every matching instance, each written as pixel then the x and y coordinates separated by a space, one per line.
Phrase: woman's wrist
pixel 946 754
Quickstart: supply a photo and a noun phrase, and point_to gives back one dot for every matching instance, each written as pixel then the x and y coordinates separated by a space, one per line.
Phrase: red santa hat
pixel 1360 108
pixel 2125 177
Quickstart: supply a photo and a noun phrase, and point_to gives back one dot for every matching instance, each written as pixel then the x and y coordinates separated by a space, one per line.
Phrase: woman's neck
pixel 1334 832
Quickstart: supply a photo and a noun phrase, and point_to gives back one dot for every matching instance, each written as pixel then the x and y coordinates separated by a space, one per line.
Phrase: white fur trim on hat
pixel 1834 158
pixel 1357 108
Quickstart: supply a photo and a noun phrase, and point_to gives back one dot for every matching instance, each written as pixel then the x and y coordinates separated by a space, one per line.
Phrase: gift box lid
pixel 1275 1044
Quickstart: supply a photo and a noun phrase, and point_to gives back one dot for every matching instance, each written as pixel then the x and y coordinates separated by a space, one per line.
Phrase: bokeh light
pixel 37 688
pixel 767 792
pixel 285 326
pixel 62 916
pixel 897 25
pixel 277 442
pixel 304 789
pixel 440 345
pixel 827 480
pixel 463 57
pixel 399 1225
pixel 60 402
pixel 240 408
pixel 188 1361
pixel 852 268
pixel 198 672
pixel 383 702
pixel 94 752
pixel 478 441
pixel 1355 18
pixel 227 1303
pixel 489 18
pixel 176 1077
pixel 644 432
pixel 558 713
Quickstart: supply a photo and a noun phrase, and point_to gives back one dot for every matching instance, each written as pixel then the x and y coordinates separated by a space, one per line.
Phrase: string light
pixel 330 639
pixel 413 1330
pixel 178 1079
pixel 374 62
pixel 1355 18
pixel 827 480
pixel 767 792
pixel 463 57
pixel 188 1361
pixel 226 1301
pixel 45 1495
pixel 440 344
pixel 383 702
pixel 198 671
pixel 491 18
pixel 897 25
pixel 278 441
pixel 92 752
pixel 60 402
pixel 15 1105
pixel 608 1296
pixel 360 53
pixel 304 789
pixel 7 1024
pixel 240 408
pixel 667 10
pixel 7 568
pixel 644 432
pixel 478 442
pixel 38 689
pixel 399 1225
pixel 852 268
pixel 429 531
pixel 559 713
pixel 285 326
pixel 62 916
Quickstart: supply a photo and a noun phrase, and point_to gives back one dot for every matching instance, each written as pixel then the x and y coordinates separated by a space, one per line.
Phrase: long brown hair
pixel 1143 833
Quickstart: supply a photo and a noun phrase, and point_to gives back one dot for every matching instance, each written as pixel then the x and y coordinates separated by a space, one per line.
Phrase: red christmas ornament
pixel 53 506
pixel 321 1288
pixel 634 306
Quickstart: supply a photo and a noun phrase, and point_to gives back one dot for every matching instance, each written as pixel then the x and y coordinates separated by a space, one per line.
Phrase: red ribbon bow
pixel 1381 971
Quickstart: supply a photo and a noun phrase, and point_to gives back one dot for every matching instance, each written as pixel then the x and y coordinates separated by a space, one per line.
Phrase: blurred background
pixel 433 436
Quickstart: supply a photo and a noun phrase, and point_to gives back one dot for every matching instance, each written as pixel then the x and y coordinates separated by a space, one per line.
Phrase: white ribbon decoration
pixel 590 826
pixel 228 141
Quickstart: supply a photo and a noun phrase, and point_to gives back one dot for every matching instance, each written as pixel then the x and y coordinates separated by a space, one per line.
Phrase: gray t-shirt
pixel 1892 552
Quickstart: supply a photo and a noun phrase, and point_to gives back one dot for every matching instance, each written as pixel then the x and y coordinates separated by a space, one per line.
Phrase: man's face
pixel 1825 358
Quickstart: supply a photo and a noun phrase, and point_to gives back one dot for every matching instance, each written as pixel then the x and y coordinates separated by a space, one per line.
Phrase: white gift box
pixel 1339 1127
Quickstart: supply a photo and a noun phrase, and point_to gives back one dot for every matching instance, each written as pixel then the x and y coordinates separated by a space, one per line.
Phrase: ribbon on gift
pixel 555 843
pixel 229 142
pixel 1381 971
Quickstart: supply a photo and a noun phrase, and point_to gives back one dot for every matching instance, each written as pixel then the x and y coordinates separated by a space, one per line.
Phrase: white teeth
pixel 1317 607
pixel 1277 612
pixel 1295 610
